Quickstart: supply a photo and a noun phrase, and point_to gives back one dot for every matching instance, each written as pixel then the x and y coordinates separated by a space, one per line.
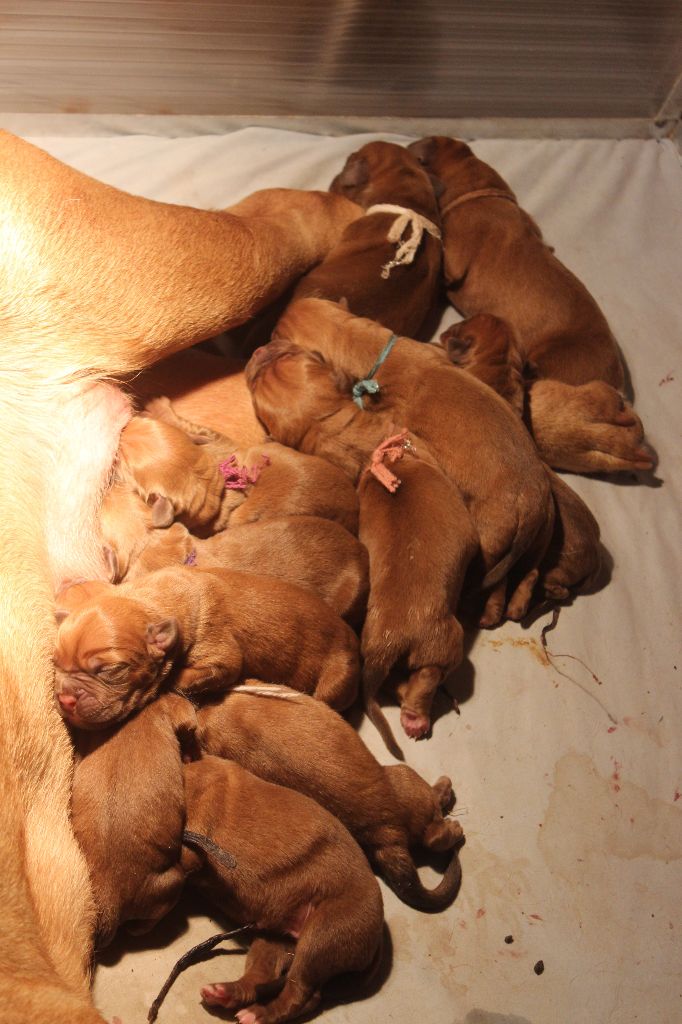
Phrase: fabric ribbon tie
pixel 391 450
pixel 238 478
pixel 479 193
pixel 368 386
pixel 406 248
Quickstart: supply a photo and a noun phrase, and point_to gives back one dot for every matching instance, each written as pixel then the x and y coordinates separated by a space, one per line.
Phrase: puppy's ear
pixel 160 637
pixel 343 303
pixel 437 186
pixel 422 150
pixel 163 512
pixel 112 563
pixel 354 175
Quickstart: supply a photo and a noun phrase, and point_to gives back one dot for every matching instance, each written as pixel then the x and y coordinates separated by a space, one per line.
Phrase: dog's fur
pixel 159 461
pixel 128 813
pixel 421 541
pixel 378 173
pixel 316 554
pixel 289 483
pixel 293 740
pixel 198 630
pixel 496 261
pixel 298 873
pixel 94 283
pixel 484 346
pixel 456 423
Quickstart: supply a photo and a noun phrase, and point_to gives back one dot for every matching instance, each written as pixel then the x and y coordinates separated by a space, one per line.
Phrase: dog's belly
pixel 87 420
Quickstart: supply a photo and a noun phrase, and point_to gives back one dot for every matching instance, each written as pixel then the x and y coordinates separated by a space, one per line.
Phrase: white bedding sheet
pixel 568 784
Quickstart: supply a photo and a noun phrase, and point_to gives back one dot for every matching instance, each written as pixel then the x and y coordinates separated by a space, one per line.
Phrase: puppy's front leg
pixel 213 675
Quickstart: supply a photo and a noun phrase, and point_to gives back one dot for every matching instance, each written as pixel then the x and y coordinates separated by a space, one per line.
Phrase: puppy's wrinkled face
pixel 110 658
pixel 291 388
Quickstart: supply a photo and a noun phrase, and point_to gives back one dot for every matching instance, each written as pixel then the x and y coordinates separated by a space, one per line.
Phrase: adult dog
pixel 95 284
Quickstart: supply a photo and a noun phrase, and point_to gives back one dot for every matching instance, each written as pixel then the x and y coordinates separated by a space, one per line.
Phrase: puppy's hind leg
pixel 263 977
pixel 416 697
pixel 342 934
pixel 587 428
pixel 339 679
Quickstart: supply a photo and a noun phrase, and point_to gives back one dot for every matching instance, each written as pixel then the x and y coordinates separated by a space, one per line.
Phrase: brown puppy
pixel 295 871
pixel 159 461
pixel 366 268
pixel 275 480
pixel 460 425
pixel 126 524
pixel 485 347
pixel 209 627
pixel 420 540
pixel 128 813
pixel 573 560
pixel 288 738
pixel 315 554
pixel 496 262
pixel 94 283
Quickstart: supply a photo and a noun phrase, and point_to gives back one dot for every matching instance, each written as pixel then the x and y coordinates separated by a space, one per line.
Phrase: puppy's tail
pixel 398 868
pixel 372 678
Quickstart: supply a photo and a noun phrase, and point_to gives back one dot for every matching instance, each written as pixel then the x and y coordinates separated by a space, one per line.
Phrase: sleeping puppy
pixel 288 738
pixel 266 480
pixel 484 346
pixel 315 554
pixel 128 814
pixel 288 868
pixel 177 478
pixel 298 381
pixel 387 264
pixel 420 540
pixel 496 262
pixel 201 630
pixel 126 524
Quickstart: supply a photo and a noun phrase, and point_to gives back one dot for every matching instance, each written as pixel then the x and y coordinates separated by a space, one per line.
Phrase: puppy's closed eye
pixel 111 671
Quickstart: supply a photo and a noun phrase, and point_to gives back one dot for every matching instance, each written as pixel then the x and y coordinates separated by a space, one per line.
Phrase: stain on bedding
pixel 590 816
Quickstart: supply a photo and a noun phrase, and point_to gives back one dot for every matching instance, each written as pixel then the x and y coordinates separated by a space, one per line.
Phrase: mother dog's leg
pixel 105 281
pixel 93 283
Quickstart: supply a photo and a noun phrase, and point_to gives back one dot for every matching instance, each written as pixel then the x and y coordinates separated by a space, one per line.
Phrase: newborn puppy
pixel 421 541
pixel 266 480
pixel 295 741
pixel 496 262
pixel 461 426
pixel 294 871
pixel 387 264
pixel 176 477
pixel 206 627
pixel 126 524
pixel 573 560
pixel 128 814
pixel 315 554
pixel 485 347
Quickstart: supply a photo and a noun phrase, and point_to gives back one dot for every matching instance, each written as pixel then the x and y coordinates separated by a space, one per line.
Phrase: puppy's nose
pixel 67 701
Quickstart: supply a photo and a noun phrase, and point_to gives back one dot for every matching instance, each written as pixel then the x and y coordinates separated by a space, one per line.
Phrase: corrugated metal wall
pixel 425 58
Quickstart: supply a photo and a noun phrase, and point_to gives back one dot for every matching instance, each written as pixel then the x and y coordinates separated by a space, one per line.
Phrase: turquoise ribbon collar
pixel 369 386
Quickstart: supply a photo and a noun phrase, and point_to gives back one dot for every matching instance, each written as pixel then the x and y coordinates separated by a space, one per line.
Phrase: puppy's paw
pixel 595 431
pixel 445 795
pixel 416 726
pixel 251 1015
pixel 219 994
